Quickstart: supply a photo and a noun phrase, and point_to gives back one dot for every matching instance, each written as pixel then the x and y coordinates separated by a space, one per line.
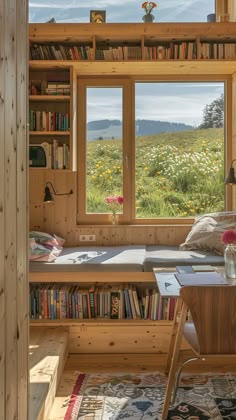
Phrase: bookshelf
pixel 50 114
pixel 132 42
pixel 154 51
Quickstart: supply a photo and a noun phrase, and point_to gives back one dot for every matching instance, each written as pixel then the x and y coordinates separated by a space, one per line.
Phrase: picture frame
pixel 97 16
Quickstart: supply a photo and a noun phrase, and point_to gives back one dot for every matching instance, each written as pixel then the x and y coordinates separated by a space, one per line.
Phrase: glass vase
pixel 230 261
pixel 114 219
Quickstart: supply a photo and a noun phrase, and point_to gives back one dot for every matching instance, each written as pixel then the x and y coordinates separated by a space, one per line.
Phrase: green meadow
pixel 178 174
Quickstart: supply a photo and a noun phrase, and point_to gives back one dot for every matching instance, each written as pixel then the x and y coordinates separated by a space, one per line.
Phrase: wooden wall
pixel 13 211
pixel 60 217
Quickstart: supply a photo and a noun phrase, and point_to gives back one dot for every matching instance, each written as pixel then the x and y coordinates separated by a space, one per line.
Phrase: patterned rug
pixel 140 396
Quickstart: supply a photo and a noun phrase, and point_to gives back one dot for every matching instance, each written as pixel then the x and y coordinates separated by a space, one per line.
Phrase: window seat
pixel 131 258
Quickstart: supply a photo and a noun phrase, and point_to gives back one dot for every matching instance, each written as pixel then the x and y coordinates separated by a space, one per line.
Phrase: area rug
pixel 140 396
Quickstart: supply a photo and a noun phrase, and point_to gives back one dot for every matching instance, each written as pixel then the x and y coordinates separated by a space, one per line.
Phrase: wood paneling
pixel 135 337
pixel 2 216
pixel 123 31
pixel 233 146
pixel 60 217
pixel 13 211
pixel 22 220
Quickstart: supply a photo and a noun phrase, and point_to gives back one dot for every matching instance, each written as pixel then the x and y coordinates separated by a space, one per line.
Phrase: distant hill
pixel 108 129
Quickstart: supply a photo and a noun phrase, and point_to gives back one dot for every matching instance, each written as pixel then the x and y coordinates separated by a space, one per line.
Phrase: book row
pixel 176 50
pixel 119 53
pixel 51 301
pixel 222 51
pixel 57 156
pixel 48 121
pixel 61 52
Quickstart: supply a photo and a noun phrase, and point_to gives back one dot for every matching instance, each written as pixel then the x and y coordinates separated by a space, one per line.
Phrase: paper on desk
pixel 200 279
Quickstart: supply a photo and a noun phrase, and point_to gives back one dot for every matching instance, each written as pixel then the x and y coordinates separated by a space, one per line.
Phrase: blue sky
pixel 166 102
pixel 119 10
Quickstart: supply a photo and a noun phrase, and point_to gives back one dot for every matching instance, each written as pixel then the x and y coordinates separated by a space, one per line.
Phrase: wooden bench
pixel 48 351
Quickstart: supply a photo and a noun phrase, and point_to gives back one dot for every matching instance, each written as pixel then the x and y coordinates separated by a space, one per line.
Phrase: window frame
pixel 83 84
pixel 128 84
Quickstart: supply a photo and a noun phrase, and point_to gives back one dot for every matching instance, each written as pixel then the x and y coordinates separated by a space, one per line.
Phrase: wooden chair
pixel 212 331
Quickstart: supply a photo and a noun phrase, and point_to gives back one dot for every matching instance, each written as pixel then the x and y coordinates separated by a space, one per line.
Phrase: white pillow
pixel 207 230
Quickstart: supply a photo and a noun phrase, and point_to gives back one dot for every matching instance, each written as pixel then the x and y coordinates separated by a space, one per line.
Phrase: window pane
pixel 104 154
pixel 179 149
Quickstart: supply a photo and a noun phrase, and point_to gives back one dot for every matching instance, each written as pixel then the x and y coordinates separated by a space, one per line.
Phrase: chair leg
pixel 177 378
pixel 173 334
pixel 174 361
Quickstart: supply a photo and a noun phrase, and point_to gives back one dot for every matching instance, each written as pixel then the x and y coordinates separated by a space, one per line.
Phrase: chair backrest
pixel 213 310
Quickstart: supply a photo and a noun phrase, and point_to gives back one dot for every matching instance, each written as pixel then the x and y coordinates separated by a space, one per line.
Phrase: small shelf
pixel 89 277
pixel 38 98
pixel 34 168
pixel 98 322
pixel 49 133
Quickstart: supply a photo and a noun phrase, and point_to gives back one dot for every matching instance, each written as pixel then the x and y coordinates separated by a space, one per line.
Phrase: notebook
pixel 194 268
pixel 203 268
pixel 195 279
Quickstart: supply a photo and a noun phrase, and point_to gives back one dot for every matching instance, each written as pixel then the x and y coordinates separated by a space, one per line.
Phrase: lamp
pixel 231 179
pixel 48 193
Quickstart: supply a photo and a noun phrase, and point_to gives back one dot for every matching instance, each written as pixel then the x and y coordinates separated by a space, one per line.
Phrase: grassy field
pixel 177 174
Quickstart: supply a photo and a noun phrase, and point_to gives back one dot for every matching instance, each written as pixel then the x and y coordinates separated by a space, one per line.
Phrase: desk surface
pixel 169 286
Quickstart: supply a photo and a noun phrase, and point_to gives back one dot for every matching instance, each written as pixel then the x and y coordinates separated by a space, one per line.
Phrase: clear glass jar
pixel 230 261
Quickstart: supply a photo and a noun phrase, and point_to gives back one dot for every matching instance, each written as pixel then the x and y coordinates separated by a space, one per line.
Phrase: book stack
pixel 58 88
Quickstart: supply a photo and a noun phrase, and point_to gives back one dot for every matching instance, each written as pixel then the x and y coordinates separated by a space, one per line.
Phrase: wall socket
pixel 87 238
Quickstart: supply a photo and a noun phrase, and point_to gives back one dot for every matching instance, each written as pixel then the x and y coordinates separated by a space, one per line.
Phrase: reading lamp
pixel 48 193
pixel 231 179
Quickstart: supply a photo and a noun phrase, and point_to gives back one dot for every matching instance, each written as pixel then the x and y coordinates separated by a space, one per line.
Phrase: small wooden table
pixel 169 286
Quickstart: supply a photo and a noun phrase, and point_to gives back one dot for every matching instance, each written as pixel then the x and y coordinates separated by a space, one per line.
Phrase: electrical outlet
pixel 92 238
pixel 87 238
pixel 83 238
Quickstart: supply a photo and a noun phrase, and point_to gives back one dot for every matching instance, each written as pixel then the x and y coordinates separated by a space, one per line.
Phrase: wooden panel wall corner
pixel 13 211
pixel 232 188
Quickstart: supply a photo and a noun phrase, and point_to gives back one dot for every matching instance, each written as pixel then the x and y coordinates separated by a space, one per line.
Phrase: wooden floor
pixel 104 363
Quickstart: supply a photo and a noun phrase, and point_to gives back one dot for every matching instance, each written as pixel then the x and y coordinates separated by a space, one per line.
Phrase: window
pixel 103 147
pixel 179 149
pixel 158 144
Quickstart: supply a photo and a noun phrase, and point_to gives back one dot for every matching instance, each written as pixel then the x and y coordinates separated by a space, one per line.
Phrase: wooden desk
pixel 169 287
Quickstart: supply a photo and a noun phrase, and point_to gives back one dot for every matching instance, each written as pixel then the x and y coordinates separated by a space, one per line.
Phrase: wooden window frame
pixel 128 84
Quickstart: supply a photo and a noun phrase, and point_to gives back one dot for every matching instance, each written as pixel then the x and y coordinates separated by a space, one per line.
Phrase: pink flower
pixel 149 6
pixel 229 237
pixel 114 202
pixel 120 199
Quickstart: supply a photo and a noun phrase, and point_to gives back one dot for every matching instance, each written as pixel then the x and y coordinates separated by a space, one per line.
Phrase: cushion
pixel 97 258
pixel 207 231
pixel 170 256
pixel 44 247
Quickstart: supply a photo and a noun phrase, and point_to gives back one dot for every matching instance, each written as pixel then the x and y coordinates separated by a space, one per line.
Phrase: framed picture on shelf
pixel 97 16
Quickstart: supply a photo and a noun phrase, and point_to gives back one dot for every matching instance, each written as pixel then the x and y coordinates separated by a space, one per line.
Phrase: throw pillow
pixel 44 247
pixel 207 230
